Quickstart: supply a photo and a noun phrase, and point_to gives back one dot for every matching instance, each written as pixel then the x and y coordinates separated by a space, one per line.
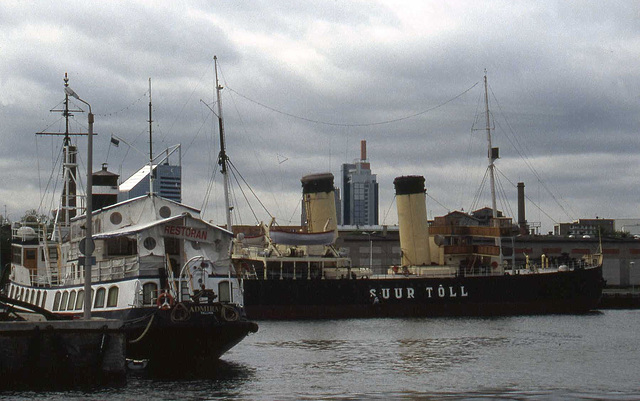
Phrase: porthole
pixel 149 243
pixel 195 245
pixel 115 218
pixel 165 212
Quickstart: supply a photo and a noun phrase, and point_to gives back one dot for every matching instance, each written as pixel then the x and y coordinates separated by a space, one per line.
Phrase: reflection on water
pixel 515 358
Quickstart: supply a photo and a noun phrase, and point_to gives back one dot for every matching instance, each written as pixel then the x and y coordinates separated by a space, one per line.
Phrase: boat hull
pixel 190 334
pixel 576 291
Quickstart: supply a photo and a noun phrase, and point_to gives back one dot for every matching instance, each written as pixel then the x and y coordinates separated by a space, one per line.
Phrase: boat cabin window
pixel 99 301
pixel 149 293
pixel 115 218
pixel 33 297
pixel 11 290
pixel 224 291
pixel 30 254
pixel 150 243
pixel 63 302
pixel 80 300
pixel 112 298
pixel 172 246
pixel 121 246
pixel 16 255
pixel 21 297
pixel 44 299
pixel 56 302
pixel 72 301
pixel 37 299
pixel 26 298
pixel 165 212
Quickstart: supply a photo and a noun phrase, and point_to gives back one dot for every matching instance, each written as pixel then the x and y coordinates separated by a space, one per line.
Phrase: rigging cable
pixel 530 200
pixel 250 189
pixel 384 220
pixel 254 148
pixel 525 159
pixel 353 125
pixel 478 194
pixel 439 203
pixel 115 113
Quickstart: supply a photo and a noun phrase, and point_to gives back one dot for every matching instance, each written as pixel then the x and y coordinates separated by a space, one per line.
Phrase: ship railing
pixel 114 268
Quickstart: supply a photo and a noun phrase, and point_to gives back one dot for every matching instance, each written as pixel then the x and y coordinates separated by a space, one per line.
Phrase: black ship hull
pixel 189 334
pixel 575 291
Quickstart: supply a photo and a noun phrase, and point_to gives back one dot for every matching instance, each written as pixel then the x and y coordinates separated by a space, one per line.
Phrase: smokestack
pixel 412 219
pixel 521 215
pixel 363 150
pixel 522 220
pixel 319 202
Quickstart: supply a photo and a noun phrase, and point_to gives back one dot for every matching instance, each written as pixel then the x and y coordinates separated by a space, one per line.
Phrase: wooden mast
pixel 222 158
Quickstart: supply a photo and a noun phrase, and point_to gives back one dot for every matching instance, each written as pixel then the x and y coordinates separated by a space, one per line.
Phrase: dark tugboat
pixel 445 270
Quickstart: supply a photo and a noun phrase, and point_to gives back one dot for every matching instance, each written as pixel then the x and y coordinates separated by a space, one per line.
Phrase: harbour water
pixel 593 356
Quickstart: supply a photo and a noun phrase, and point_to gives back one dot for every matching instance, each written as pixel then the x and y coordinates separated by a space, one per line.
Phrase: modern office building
pixel 167 180
pixel 359 192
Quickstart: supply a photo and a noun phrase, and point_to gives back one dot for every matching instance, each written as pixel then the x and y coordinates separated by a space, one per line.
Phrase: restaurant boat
pixel 156 265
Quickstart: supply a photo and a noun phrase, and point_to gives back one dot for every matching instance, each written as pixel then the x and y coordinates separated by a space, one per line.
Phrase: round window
pixel 195 245
pixel 149 243
pixel 115 218
pixel 165 212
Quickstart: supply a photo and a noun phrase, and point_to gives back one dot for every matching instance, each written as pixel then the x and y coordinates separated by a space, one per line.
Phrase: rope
pixel 144 333
pixel 353 125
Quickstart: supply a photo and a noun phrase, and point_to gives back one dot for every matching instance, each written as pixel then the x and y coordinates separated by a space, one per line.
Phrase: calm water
pixel 516 358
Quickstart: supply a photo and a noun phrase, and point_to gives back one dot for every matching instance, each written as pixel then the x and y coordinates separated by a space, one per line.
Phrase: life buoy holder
pixel 165 300
pixel 229 313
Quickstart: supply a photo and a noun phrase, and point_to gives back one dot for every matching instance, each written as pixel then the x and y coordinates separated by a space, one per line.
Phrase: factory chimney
pixel 522 220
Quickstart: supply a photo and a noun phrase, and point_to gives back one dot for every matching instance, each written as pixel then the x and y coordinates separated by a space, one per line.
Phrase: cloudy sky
pixel 306 81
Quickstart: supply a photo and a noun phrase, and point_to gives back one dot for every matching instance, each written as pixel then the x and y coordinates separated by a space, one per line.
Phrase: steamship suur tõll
pixel 449 270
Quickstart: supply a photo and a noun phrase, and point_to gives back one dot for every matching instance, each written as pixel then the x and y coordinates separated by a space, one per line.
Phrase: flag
pixel 115 142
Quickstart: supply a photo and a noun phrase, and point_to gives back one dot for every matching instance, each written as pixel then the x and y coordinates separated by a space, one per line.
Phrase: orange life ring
pixel 165 300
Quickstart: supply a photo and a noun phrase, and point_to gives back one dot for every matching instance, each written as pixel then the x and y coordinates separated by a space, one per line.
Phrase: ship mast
pixel 150 145
pixel 68 204
pixel 222 157
pixel 492 153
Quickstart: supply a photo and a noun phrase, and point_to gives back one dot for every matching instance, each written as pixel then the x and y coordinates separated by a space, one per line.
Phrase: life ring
pixel 165 300
pixel 229 313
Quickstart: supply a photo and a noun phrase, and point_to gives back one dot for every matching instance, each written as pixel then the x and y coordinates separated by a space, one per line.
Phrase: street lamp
pixel 370 249
pixel 88 241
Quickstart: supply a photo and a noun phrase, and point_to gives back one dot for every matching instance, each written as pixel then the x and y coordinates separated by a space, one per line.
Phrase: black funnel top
pixel 316 183
pixel 409 184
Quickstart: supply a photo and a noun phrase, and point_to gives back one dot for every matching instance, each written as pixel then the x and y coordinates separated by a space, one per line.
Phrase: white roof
pixel 135 179
pixel 135 228
pixel 141 227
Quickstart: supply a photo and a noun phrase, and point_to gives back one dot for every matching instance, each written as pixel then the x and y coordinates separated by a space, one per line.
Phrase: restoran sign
pixel 188 233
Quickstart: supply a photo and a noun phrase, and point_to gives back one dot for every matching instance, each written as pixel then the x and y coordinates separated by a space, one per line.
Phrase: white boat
pixel 156 264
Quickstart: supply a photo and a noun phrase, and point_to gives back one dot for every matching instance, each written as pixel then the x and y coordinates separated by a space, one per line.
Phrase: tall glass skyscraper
pixel 359 192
